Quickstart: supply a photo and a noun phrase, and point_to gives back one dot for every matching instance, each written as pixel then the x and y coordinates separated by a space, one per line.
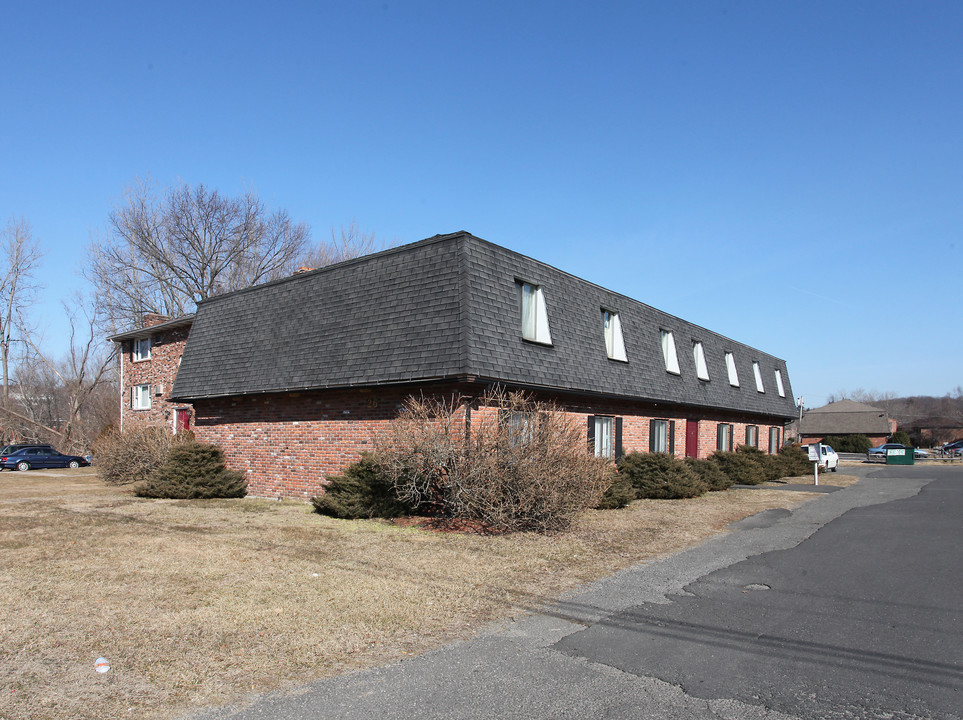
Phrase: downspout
pixel 120 359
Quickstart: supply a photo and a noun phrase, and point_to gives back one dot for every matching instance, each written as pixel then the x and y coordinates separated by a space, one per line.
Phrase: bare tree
pixel 73 398
pixel 345 244
pixel 21 255
pixel 167 251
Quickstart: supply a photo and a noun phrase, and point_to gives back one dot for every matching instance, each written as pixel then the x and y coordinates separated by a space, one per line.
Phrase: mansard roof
pixel 448 308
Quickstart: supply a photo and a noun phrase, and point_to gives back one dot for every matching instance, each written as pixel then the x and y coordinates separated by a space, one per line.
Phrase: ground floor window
pixel 605 436
pixel 140 397
pixel 662 436
pixel 752 436
pixel 520 425
pixel 724 437
pixel 774 440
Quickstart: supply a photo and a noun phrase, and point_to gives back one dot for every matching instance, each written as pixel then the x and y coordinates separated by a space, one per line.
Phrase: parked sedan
pixel 29 458
pixel 878 453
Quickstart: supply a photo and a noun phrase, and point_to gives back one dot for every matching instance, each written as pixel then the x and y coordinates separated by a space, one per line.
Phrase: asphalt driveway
pixel 848 607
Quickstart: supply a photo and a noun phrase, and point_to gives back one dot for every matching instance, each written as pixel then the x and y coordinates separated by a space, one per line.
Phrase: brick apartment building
pixel 294 377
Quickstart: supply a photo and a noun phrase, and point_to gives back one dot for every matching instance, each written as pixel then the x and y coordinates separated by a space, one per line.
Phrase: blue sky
pixel 788 174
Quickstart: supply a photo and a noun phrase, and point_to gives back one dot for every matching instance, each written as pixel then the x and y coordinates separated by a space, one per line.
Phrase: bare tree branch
pixel 21 255
pixel 166 251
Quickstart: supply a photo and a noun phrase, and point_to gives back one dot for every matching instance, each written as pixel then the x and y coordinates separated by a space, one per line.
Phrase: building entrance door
pixel 692 438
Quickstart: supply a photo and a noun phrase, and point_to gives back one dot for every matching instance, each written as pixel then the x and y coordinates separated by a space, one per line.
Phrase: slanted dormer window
pixel 534 313
pixel 141 350
pixel 758 373
pixel 669 353
pixel 614 343
pixel 779 386
pixel 699 354
pixel 731 369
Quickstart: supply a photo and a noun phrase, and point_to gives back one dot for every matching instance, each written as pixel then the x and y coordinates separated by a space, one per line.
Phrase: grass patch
pixel 198 602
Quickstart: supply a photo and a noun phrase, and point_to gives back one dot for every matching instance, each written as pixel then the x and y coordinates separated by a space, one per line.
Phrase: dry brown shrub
pixel 525 466
pixel 131 456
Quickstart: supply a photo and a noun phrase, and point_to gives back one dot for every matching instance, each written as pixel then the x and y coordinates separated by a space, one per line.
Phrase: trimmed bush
pixel 901 437
pixel 132 456
pixel 620 493
pixel 193 470
pixel 792 460
pixel 740 467
pixel 660 476
pixel 848 443
pixel 710 473
pixel 362 491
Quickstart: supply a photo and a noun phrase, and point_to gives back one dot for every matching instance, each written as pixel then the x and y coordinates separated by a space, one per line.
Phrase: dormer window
pixel 699 354
pixel 669 353
pixel 731 369
pixel 614 343
pixel 758 373
pixel 779 386
pixel 141 350
pixel 534 313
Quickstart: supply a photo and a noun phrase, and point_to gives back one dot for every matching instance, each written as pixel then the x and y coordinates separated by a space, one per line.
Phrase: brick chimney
pixel 151 319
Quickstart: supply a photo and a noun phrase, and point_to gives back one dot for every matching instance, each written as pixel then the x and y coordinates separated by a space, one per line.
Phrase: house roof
pixel 447 308
pixel 845 417
pixel 143 332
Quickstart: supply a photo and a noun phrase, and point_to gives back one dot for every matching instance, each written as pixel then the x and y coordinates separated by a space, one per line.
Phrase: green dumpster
pixel 899 456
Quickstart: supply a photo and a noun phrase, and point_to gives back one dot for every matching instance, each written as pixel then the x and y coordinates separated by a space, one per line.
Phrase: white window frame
pixel 731 369
pixel 605 436
pixel 534 313
pixel 699 355
pixel 757 371
pixel 140 397
pixel 141 349
pixel 669 353
pixel 614 341
pixel 780 388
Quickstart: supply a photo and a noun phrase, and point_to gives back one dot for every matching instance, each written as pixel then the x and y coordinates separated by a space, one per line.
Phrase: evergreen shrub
pixel 660 476
pixel 741 467
pixel 793 461
pixel 901 437
pixel 363 490
pixel 710 473
pixel 194 470
pixel 848 443
pixel 620 493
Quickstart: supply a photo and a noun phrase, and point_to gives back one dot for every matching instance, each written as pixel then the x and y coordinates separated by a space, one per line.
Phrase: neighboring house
pixel 149 358
pixel 293 378
pixel 934 430
pixel 846 417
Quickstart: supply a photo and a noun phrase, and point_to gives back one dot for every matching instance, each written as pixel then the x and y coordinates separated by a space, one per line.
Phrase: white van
pixel 828 460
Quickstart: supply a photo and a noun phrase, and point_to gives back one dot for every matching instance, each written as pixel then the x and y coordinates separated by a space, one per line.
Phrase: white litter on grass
pixel 101 665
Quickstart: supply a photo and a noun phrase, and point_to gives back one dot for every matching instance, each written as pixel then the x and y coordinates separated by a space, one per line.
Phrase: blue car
pixel 39 456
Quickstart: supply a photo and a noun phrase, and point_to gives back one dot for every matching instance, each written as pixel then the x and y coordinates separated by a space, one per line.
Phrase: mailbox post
pixel 815 453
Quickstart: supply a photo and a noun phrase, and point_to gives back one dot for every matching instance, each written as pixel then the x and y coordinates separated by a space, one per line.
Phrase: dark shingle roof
pixel 447 307
pixel 845 417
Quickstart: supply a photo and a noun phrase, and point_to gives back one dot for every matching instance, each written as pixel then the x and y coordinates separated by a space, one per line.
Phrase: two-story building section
pixel 149 358
pixel 293 378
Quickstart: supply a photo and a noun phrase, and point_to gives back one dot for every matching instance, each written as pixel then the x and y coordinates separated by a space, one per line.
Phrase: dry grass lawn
pixel 199 603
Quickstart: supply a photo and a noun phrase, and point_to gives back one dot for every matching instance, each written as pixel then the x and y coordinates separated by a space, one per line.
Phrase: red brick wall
pixel 288 444
pixel 159 371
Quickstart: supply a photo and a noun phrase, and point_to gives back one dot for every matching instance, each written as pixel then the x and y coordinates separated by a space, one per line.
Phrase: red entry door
pixel 182 420
pixel 692 438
